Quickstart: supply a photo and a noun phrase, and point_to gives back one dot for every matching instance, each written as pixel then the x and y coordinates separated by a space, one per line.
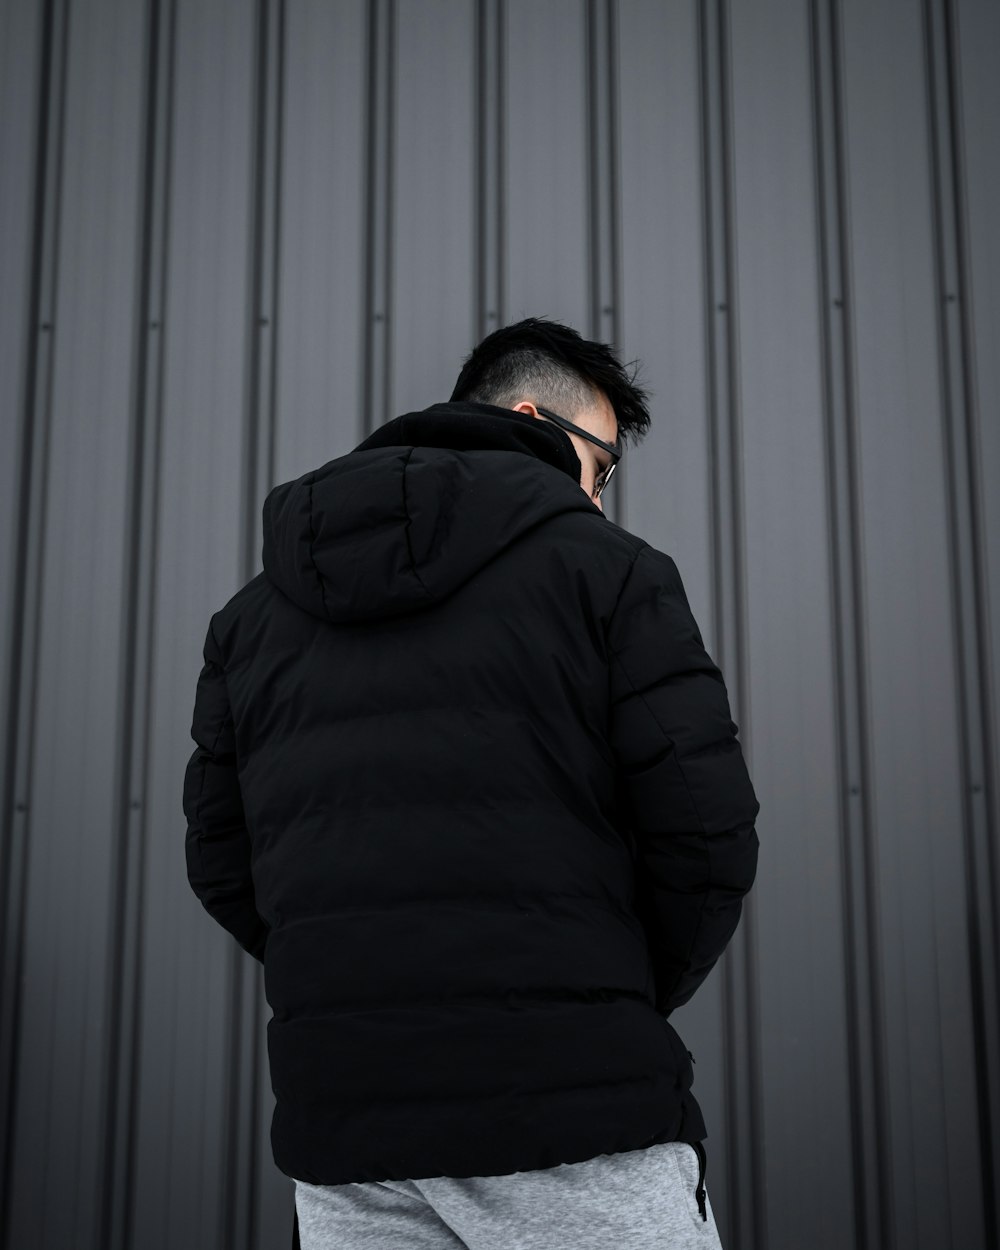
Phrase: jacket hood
pixel 415 510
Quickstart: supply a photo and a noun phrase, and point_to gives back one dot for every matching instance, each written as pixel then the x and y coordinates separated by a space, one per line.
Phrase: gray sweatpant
pixel 634 1200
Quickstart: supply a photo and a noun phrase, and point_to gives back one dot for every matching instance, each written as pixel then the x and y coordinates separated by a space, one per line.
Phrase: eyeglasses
pixel 614 448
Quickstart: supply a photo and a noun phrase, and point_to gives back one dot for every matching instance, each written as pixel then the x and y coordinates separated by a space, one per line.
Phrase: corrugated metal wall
pixel 236 236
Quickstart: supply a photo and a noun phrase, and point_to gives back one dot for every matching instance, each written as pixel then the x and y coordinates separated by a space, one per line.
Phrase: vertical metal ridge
pixel 36 416
pixel 501 163
pixel 489 166
pixel 619 505
pixel 159 310
pixel 972 417
pixel 594 169
pixel 831 355
pixel 379 135
pixel 257 328
pixel 369 197
pixel 867 1070
pixel 482 158
pixel 965 524
pixel 986 867
pixel 264 277
pixel 601 168
pixel 936 1047
pixel 367 343
pixel 614 172
pixel 124 955
pixel 271 410
pixel 603 251
pixel 832 362
pixel 389 157
pixel 279 184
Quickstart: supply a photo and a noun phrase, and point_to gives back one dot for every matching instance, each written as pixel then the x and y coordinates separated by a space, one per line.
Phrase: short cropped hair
pixel 554 366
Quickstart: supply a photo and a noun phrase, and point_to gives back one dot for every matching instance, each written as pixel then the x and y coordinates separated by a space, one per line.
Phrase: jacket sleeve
pixel 683 784
pixel 217 845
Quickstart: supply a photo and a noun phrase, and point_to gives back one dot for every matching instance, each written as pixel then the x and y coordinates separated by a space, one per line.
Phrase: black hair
pixel 553 365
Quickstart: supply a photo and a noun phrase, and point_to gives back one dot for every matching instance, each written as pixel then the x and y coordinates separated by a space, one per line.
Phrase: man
pixel 466 782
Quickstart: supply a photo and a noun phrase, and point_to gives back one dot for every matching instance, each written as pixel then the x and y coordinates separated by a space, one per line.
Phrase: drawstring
pixel 699 1193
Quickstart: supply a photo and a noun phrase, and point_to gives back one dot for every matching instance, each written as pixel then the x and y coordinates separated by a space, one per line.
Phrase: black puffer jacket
pixel 467 782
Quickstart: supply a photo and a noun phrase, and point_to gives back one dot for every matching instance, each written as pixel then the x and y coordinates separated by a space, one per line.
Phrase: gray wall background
pixel 234 237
